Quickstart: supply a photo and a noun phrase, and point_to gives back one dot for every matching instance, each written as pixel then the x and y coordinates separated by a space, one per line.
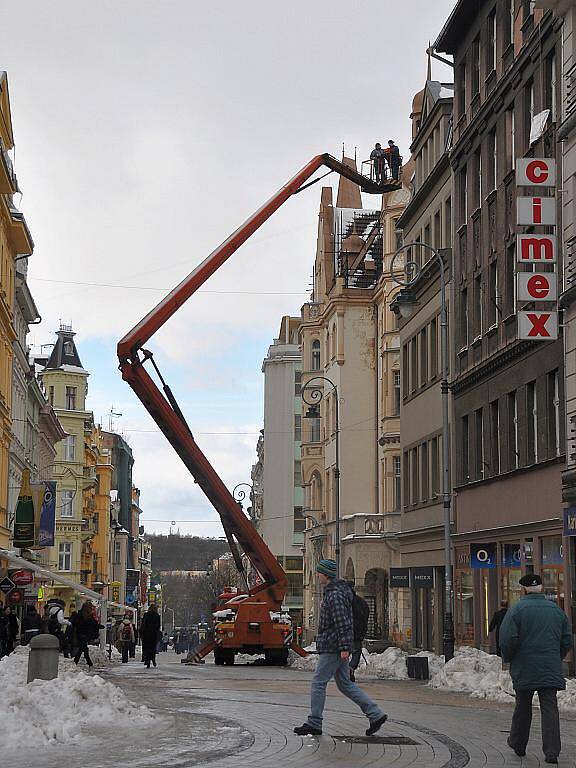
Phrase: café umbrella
pixel 24 519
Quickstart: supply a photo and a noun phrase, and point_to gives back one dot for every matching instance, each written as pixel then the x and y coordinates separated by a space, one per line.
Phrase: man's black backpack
pixel 360 615
pixel 53 624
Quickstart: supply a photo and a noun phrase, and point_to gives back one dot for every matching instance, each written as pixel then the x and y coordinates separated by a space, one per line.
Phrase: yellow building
pixel 66 383
pixel 96 510
pixel 15 241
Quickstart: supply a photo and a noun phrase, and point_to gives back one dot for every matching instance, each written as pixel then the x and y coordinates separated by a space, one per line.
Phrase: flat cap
pixel 530 580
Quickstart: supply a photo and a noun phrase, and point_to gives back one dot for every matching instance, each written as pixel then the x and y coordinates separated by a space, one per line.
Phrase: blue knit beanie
pixel 327 567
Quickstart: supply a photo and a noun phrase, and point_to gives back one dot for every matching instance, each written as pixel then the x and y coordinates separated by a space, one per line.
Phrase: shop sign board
pixel 422 577
pixel 399 578
pixel 6 585
pixel 536 249
pixel 511 556
pixel 535 172
pixel 570 521
pixel 483 555
pixel 538 326
pixel 22 578
pixel 536 210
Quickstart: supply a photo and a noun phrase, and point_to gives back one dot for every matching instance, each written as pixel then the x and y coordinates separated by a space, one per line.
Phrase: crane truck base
pixel 252 625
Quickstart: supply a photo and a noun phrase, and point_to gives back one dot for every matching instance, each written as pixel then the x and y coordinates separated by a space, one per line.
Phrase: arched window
pixel 315 366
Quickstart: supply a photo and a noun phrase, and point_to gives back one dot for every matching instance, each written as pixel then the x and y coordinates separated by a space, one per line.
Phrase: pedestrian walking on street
pixel 334 643
pixel 32 625
pixel 2 630
pixel 535 636
pixel 126 636
pixel 57 625
pixel 149 634
pixel 87 630
pixel 496 623
pixel 12 628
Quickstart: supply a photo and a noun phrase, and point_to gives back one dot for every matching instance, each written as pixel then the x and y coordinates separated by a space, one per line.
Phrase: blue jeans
pixel 329 666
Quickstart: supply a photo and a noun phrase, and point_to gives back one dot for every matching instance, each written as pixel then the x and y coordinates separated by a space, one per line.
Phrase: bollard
pixel 43 659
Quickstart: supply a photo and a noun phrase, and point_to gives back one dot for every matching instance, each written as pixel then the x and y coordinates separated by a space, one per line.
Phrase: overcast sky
pixel 145 133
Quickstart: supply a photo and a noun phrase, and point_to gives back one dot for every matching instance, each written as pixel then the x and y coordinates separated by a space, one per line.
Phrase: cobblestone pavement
pixel 243 716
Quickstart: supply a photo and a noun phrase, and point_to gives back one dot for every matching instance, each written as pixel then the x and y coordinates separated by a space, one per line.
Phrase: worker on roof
pixel 394 160
pixel 378 157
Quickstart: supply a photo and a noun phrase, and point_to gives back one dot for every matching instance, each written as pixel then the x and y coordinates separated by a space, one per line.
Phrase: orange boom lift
pixel 252 622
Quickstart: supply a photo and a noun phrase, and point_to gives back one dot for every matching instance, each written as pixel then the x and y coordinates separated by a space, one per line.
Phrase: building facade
pixel 427 219
pixel 66 384
pixel 343 342
pixel 15 244
pixel 281 520
pixel 508 401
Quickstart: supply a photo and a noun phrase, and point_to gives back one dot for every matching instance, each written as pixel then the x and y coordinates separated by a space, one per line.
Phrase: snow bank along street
pixel 471 671
pixel 52 712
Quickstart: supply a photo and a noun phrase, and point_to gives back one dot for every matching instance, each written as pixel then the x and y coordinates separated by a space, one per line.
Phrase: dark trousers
pixel 125 651
pixel 522 720
pixel 83 649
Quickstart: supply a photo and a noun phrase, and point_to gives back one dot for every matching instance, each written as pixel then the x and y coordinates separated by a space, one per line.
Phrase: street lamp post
pixel 412 271
pixel 316 395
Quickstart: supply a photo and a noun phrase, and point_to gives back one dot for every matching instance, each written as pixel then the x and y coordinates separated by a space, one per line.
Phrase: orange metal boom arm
pixel 166 417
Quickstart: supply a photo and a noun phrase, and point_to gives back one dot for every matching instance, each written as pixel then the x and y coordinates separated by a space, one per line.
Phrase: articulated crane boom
pixel 252 611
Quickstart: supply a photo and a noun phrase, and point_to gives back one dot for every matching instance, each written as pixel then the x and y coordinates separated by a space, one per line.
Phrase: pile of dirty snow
pixel 474 672
pixel 56 711
pixel 471 671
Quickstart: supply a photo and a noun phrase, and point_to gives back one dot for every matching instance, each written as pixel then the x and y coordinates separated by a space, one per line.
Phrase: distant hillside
pixel 184 553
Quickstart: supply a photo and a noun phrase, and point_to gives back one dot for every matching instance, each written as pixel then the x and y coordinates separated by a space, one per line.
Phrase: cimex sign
pixel 538 250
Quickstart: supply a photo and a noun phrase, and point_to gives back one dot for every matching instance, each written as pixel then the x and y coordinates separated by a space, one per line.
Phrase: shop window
pixel 552 558
pixel 465 607
pixel 511 572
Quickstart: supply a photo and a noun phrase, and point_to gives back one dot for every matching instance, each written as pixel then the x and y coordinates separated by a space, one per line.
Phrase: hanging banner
pixel 570 521
pixel 536 210
pixel 47 522
pixel 483 555
pixel 399 578
pixel 24 527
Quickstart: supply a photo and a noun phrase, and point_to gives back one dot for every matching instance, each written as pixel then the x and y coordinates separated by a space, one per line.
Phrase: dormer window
pixel 68 348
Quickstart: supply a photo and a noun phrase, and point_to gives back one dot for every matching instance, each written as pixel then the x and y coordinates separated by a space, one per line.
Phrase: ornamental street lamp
pixel 411 272
pixel 313 395
pixel 239 494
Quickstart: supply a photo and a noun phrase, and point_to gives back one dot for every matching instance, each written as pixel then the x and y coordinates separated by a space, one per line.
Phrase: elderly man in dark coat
pixel 534 637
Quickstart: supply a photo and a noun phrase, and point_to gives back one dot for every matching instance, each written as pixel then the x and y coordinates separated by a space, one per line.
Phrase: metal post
pixel 448 633
pixel 337 478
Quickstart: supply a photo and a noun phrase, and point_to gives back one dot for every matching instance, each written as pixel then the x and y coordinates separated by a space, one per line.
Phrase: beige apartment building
pixel 427 219
pixel 349 356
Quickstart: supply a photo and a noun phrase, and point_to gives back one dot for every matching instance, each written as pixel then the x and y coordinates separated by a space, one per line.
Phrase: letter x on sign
pixel 538 326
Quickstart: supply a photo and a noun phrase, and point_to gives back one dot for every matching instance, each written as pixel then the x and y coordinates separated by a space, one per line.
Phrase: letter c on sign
pixel 482 556
pixel 537 171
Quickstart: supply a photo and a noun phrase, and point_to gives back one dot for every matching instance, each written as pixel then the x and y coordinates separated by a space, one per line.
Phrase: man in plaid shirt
pixel 334 643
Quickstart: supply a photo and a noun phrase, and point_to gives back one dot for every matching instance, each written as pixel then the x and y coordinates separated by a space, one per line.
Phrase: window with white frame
pixel 70 448
pixel 66 503
pixel 65 556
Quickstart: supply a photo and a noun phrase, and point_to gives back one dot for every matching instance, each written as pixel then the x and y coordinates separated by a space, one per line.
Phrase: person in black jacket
pixel 496 623
pixel 2 630
pixel 87 630
pixel 11 630
pixel 32 625
pixel 149 630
